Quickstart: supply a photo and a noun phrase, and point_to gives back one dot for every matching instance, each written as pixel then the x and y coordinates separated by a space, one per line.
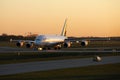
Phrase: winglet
pixel 64 31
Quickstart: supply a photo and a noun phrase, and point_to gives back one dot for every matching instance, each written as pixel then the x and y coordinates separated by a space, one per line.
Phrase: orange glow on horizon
pixel 85 17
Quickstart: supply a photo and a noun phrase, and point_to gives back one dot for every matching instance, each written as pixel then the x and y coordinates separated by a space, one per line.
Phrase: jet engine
pixel 19 44
pixel 29 45
pixel 84 43
pixel 67 44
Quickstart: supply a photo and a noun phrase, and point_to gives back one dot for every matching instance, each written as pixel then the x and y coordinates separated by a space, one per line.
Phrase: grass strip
pixel 6 58
pixel 99 72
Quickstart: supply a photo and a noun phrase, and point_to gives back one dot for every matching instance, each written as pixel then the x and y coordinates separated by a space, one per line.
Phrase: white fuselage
pixel 49 40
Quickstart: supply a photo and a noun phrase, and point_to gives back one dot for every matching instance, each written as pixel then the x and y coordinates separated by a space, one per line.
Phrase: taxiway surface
pixel 8 69
pixel 76 50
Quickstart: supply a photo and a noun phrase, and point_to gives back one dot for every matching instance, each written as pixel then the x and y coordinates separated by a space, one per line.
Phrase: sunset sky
pixel 85 17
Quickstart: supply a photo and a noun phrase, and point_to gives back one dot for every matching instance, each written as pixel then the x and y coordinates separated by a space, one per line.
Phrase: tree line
pixel 5 37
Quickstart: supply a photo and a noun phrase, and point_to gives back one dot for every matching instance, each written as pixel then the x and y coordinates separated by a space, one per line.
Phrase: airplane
pixel 44 42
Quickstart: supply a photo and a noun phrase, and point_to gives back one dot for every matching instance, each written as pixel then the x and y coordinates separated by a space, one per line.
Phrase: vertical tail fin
pixel 64 31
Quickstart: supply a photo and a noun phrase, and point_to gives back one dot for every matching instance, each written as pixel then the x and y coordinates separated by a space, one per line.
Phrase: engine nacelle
pixel 29 45
pixel 67 44
pixel 19 44
pixel 84 43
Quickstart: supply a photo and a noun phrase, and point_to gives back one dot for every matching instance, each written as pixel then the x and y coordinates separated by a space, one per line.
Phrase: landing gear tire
pixel 57 48
pixel 35 49
pixel 46 48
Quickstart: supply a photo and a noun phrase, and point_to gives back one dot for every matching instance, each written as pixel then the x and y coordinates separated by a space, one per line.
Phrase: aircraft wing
pixel 86 39
pixel 25 41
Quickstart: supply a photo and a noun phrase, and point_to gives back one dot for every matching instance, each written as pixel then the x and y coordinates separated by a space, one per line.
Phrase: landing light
pixel 77 41
pixel 40 49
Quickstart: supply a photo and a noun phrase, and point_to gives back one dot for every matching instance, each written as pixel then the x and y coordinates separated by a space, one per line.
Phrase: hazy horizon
pixel 97 18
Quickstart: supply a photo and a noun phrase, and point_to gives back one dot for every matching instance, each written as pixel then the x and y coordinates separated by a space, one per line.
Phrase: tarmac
pixel 9 69
pixel 65 50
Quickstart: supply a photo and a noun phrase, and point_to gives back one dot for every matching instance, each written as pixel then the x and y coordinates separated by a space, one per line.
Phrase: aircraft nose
pixel 37 42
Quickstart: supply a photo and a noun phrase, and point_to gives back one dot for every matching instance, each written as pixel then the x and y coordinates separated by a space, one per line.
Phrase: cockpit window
pixel 37 39
pixel 44 38
pixel 40 38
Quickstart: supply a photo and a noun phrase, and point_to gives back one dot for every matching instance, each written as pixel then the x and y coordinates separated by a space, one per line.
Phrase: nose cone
pixel 37 42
